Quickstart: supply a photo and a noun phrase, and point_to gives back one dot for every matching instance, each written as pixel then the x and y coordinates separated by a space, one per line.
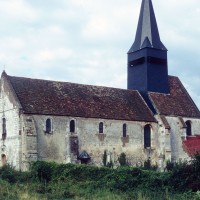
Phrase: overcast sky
pixel 86 41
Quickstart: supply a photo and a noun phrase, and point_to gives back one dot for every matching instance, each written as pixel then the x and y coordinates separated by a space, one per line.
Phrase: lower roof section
pixel 177 103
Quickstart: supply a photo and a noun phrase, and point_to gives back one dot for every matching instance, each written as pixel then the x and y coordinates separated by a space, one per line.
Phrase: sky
pixel 86 41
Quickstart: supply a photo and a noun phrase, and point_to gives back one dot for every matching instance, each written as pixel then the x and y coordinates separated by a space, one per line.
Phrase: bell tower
pixel 147 57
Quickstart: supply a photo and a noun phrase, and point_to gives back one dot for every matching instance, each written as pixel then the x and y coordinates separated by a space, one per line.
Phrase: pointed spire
pixel 147 34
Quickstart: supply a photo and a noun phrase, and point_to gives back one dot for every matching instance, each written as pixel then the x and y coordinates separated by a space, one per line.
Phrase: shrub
pixel 11 175
pixel 122 160
pixel 43 170
pixel 149 166
pixel 8 173
pixel 169 165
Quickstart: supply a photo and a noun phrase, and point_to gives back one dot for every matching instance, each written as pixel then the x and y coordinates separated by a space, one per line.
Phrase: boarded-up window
pixel 48 125
pixel 188 128
pixel 124 130
pixel 74 145
pixel 147 136
pixel 72 126
pixel 4 134
pixel 101 127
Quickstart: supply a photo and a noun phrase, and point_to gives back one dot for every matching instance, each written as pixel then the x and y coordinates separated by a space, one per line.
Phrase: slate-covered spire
pixel 147 34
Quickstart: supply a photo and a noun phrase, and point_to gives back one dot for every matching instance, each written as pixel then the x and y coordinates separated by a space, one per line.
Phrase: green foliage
pixel 126 179
pixel 122 159
pixel 9 174
pixel 169 165
pixel 186 175
pixel 43 170
pixel 69 181
pixel 149 166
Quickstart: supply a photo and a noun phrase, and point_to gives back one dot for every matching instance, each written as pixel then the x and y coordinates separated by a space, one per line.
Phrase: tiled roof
pixel 77 100
pixel 177 103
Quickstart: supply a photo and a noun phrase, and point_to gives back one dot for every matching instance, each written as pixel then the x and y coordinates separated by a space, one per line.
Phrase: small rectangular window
pixel 72 126
pixel 4 133
pixel 48 126
pixel 124 130
pixel 147 136
pixel 101 127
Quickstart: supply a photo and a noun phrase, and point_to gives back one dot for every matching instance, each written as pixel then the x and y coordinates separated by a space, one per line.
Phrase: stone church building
pixel 154 118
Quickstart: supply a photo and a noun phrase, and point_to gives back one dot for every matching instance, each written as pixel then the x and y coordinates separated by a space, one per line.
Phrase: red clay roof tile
pixel 177 103
pixel 77 100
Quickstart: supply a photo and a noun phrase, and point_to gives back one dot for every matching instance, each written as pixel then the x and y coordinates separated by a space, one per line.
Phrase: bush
pixel 43 170
pixel 59 181
pixel 122 160
pixel 169 165
pixel 149 166
pixel 8 173
pixel 126 179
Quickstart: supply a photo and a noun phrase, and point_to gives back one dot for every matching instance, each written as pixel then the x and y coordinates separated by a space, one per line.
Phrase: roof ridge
pixel 187 93
pixel 67 82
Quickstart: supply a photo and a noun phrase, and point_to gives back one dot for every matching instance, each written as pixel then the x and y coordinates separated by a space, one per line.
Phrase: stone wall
pixel 56 145
pixel 178 134
pixel 10 142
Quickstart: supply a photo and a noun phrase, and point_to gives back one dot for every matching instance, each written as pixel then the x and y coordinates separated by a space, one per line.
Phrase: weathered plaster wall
pixel 9 109
pixel 164 144
pixel 178 134
pixel 56 145
pixel 113 141
pixel 195 123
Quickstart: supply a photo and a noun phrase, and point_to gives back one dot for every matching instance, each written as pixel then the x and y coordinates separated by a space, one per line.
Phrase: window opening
pixel 72 126
pixel 189 128
pixel 4 134
pixel 101 127
pixel 147 136
pixel 124 130
pixel 48 126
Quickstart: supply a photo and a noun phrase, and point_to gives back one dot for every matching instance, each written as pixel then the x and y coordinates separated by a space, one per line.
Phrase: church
pixel 154 118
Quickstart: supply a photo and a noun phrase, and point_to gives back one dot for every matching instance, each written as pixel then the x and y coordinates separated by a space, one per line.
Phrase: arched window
pixel 124 130
pixel 72 126
pixel 147 136
pixel 4 128
pixel 101 127
pixel 48 125
pixel 189 128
